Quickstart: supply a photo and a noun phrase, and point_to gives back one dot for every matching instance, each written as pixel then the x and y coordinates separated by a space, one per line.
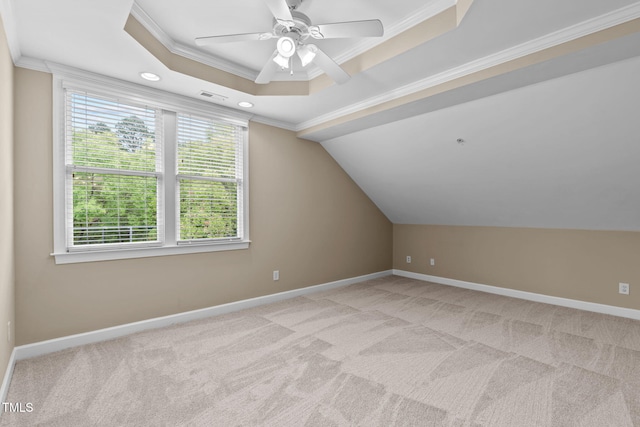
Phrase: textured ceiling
pixel 544 93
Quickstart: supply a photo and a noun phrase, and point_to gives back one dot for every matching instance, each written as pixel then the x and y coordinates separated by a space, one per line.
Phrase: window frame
pixel 179 177
pixel 170 106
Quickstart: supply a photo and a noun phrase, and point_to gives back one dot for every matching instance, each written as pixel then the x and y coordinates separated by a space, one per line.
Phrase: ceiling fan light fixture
pixel 286 46
pixel 281 61
pixel 307 53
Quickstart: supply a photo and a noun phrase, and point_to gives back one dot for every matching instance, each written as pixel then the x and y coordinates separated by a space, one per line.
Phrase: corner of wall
pixel 7 249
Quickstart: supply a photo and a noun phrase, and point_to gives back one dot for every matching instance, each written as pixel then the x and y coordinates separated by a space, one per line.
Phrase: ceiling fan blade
pixel 329 66
pixel 370 28
pixel 280 10
pixel 268 71
pixel 230 38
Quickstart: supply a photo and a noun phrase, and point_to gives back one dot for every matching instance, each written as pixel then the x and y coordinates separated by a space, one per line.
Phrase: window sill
pixel 93 256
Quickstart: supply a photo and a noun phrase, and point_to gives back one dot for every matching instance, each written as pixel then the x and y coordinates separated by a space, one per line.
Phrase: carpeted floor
pixel 387 352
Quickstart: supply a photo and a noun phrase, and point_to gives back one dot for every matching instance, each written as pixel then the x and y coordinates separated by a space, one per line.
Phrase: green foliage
pixel 132 133
pixel 113 208
pixel 208 209
pixel 99 127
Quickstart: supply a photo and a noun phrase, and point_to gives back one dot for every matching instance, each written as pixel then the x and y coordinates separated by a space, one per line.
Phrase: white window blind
pixel 113 164
pixel 209 179
pixel 139 173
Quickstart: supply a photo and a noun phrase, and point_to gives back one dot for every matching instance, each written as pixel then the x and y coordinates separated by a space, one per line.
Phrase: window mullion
pixel 169 182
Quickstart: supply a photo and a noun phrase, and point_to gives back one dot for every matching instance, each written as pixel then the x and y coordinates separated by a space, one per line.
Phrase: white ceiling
pixel 547 145
pixel 559 154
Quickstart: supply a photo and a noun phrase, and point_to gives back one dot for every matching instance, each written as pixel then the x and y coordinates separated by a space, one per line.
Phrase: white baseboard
pixel 564 302
pixel 4 389
pixel 57 344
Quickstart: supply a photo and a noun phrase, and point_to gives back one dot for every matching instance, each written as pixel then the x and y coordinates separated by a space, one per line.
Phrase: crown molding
pixel 100 82
pixel 33 64
pixel 273 122
pixel 186 51
pixel 584 28
pixel 76 73
pixel 10 29
pixel 430 10
pixel 213 61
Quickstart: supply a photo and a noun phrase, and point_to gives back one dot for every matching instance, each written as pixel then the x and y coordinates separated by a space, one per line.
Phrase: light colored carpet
pixel 387 352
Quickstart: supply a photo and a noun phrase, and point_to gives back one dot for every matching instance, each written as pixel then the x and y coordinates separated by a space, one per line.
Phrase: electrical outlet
pixel 433 261
pixel 276 274
pixel 623 288
pixel 408 259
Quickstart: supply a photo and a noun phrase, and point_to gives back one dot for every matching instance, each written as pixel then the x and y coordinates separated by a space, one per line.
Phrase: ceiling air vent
pixel 213 96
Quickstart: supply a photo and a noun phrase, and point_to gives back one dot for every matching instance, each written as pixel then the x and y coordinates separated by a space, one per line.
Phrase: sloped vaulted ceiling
pixel 558 154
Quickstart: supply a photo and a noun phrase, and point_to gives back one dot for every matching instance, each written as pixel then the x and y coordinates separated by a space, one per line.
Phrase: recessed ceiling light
pixel 245 104
pixel 150 76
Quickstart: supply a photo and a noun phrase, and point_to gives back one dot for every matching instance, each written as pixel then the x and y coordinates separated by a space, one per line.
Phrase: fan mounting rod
pixel 294 4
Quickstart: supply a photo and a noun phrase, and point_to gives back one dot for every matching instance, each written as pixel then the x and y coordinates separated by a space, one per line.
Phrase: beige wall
pixel 6 201
pixel 308 219
pixel 576 264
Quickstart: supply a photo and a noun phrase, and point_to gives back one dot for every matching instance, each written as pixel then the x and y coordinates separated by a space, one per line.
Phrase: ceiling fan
pixel 292 29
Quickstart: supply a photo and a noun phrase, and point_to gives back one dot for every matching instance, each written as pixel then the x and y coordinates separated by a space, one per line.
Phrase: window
pixel 136 176
pixel 113 165
pixel 209 185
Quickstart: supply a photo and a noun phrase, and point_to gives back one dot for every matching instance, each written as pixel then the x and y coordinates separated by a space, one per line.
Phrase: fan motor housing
pixel 301 28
